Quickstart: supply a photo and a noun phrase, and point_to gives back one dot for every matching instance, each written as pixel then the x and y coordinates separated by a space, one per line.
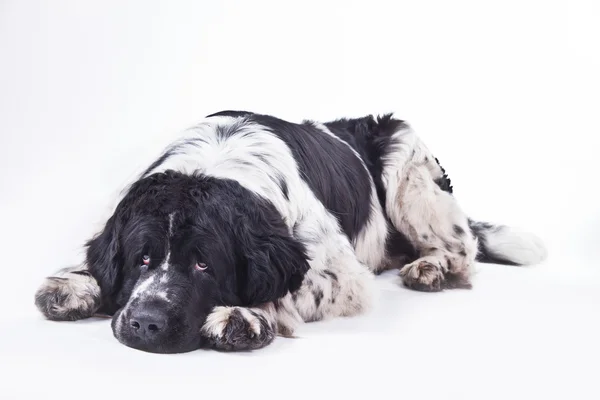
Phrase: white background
pixel 506 94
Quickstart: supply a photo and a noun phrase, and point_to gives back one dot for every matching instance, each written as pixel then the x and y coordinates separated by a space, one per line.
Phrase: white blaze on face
pixel 142 287
pixel 151 287
pixel 165 264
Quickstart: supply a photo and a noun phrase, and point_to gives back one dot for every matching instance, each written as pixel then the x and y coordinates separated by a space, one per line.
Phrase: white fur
pixel 165 264
pixel 288 318
pixel 252 320
pixel 515 245
pixel 162 294
pixel 143 287
pixel 201 149
pixel 216 322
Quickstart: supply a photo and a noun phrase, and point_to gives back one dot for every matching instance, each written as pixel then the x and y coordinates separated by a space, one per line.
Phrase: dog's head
pixel 177 246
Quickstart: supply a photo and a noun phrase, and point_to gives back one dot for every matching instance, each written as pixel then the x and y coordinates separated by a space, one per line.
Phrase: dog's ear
pixel 274 263
pixel 104 260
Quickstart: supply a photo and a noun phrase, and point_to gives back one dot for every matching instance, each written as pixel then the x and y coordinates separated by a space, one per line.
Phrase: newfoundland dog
pixel 247 225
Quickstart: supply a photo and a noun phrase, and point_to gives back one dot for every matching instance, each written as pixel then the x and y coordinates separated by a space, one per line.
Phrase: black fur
pixel 370 137
pixel 444 182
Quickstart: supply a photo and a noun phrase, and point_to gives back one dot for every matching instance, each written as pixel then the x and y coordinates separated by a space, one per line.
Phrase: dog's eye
pixel 200 266
pixel 146 259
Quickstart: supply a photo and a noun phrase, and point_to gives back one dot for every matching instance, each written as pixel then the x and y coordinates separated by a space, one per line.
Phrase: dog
pixel 248 225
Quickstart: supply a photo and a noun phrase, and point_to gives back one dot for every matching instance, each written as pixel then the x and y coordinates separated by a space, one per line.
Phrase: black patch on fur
pixel 318 293
pixel 230 113
pixel 284 188
pixel 159 161
pixel 308 282
pixel 448 262
pixel 399 247
pixel 262 158
pixel 331 274
pixel 444 182
pixel 458 230
pixel 84 273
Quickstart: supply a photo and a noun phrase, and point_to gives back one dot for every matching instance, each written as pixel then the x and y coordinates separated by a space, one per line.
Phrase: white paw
pixel 238 328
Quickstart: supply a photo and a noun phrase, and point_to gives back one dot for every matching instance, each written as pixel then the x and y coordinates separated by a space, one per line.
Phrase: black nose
pixel 146 323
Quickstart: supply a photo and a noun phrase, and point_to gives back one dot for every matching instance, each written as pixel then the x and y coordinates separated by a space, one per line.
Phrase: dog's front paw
pixel 68 295
pixel 423 275
pixel 238 328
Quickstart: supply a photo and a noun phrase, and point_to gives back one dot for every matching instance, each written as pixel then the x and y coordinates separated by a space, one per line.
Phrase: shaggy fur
pixel 247 225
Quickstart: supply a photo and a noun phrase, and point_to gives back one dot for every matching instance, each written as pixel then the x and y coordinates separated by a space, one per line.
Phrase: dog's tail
pixel 499 244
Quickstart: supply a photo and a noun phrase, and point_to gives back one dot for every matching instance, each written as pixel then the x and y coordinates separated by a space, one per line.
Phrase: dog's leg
pixel 337 284
pixel 341 288
pixel 420 205
pixel 68 295
pixel 240 328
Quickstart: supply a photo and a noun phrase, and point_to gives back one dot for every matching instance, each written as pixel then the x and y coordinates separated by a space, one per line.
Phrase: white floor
pixel 520 334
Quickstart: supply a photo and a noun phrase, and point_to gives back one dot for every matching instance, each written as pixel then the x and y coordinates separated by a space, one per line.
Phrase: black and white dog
pixel 247 225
